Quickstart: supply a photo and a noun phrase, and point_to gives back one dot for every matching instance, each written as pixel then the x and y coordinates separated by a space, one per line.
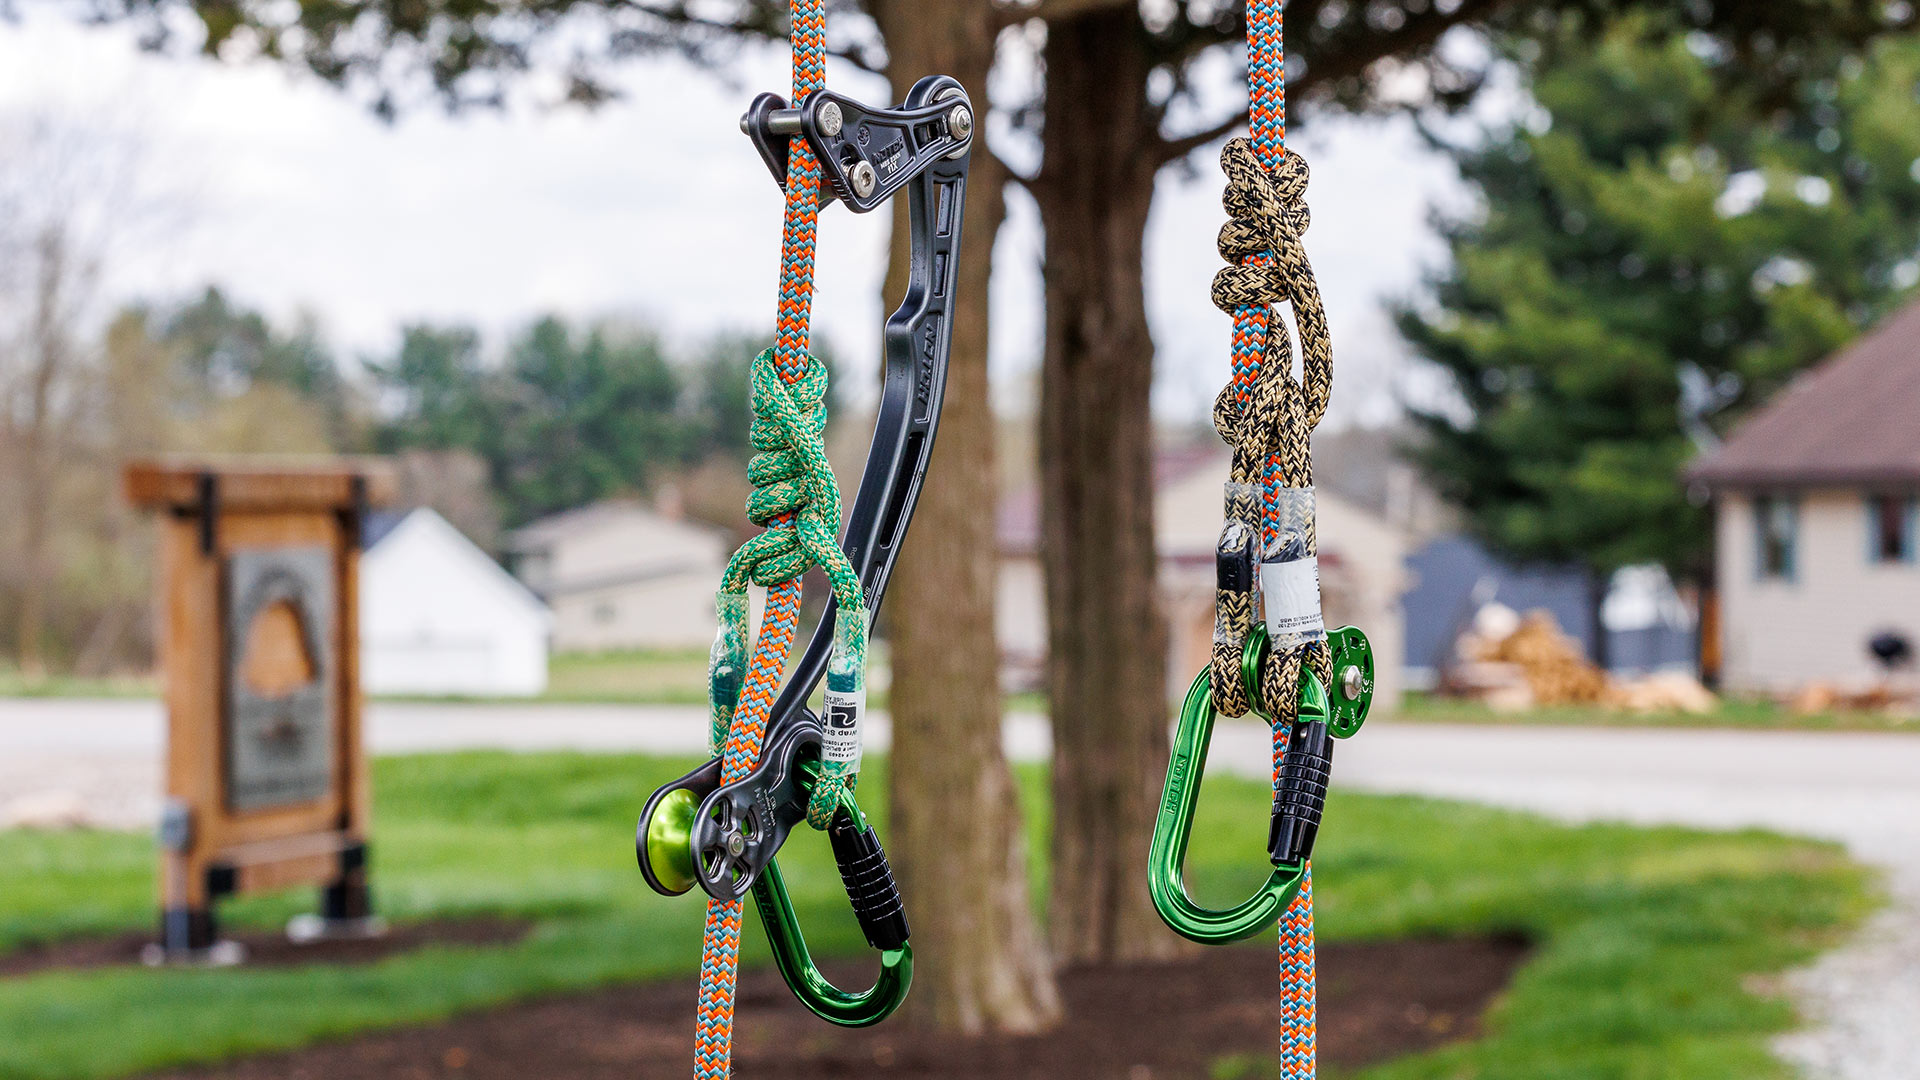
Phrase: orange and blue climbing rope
pixel 790 386
pixel 1268 417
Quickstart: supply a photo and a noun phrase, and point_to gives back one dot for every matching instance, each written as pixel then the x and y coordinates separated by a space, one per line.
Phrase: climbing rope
pixel 1268 417
pixel 797 501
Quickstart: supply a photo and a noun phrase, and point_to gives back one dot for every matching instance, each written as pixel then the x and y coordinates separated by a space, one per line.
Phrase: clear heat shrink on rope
pixel 1237 559
pixel 845 699
pixel 1290 575
pixel 727 664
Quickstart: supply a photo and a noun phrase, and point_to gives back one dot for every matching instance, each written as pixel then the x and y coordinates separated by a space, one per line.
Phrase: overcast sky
pixel 653 207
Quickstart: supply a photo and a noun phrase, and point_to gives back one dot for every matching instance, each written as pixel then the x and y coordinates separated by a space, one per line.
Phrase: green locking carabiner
pixel 1341 714
pixel 876 904
pixel 827 1001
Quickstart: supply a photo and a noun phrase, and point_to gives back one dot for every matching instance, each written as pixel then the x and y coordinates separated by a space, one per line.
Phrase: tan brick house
pixel 1817 504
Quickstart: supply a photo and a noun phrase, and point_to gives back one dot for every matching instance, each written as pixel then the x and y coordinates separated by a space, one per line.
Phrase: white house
pixel 1361 555
pixel 620 575
pixel 438 616
pixel 1815 502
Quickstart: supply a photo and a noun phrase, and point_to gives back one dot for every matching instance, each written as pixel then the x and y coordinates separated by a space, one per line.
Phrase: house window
pixel 1890 528
pixel 1776 521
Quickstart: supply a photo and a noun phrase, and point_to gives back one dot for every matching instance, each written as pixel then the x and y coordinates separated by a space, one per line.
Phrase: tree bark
pixel 1107 637
pixel 958 841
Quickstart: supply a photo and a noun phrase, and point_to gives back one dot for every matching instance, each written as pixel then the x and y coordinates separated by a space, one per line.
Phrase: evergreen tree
pixel 569 417
pixel 227 350
pixel 1654 254
pixel 588 416
pixel 439 391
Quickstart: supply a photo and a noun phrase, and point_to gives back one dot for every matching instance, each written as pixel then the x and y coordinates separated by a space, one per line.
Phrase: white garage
pixel 439 617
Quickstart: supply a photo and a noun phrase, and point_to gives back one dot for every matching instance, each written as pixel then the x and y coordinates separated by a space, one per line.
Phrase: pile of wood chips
pixel 1816 698
pixel 1510 663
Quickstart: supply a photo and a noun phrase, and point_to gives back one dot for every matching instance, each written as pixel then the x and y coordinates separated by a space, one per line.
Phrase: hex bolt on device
pixel 697 831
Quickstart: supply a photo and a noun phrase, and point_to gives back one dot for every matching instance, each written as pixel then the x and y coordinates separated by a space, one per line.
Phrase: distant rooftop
pixel 540 533
pixel 376 524
pixel 1852 420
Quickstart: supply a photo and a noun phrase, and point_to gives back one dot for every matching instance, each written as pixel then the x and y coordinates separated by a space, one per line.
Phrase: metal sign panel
pixel 280 737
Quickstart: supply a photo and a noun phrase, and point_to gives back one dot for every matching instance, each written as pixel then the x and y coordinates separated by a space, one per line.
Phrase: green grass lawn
pixel 15 684
pixel 676 677
pixel 640 676
pixel 1750 713
pixel 1649 941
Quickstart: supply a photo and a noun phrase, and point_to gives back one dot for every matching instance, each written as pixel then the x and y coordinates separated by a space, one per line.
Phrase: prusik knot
pixel 1268 267
pixel 796 500
pixel 1268 214
pixel 790 477
pixel 1265 413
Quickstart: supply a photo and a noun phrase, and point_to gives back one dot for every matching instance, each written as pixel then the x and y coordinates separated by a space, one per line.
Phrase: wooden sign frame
pixel 266 787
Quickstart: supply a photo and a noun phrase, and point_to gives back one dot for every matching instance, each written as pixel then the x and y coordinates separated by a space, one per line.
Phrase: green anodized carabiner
pixel 1339 714
pixel 827 1001
pixel 876 905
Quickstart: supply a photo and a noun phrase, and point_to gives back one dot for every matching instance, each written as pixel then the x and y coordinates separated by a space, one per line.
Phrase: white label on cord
pixel 840 719
pixel 1291 591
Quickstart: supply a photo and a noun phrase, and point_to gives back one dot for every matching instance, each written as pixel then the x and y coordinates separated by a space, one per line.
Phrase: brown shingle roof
pixel 1854 419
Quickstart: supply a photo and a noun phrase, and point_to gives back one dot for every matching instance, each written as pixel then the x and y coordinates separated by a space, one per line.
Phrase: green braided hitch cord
pixel 790 474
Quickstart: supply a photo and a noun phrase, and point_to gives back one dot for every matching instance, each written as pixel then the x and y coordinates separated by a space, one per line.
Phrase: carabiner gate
pixel 822 998
pixel 1298 801
pixel 876 904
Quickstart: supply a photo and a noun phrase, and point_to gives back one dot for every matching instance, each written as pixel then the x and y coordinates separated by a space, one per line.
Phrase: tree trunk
pixel 1107 637
pixel 958 841
pixel 48 345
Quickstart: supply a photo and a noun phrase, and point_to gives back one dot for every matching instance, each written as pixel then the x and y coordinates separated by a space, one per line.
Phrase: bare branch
pixel 1066 9
pixel 1418 33
pixel 1174 149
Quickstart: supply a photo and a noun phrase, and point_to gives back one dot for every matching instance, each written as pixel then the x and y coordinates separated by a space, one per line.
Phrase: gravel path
pixel 98 762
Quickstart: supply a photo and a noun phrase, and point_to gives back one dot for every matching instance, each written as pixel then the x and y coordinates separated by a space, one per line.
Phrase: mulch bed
pixel 267 948
pixel 1147 1022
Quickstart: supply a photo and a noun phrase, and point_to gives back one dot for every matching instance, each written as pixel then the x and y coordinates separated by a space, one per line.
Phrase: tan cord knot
pixel 1273 420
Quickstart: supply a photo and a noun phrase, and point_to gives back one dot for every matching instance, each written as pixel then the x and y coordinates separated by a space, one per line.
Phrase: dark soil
pixel 1149 1022
pixel 267 948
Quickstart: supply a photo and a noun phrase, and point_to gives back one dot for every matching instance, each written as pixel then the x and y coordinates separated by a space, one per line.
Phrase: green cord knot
pixel 797 501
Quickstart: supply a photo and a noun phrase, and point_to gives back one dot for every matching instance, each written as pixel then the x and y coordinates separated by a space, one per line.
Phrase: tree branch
pixel 1066 9
pixel 763 29
pixel 1170 150
pixel 1420 32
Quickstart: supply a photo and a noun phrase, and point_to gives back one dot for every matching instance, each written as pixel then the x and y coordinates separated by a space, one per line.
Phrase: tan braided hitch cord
pixel 1271 428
